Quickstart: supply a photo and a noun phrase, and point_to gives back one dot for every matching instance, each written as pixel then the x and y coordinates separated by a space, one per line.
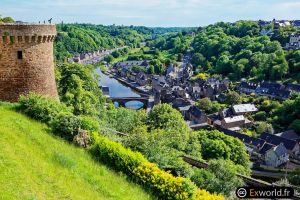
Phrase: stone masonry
pixel 26 60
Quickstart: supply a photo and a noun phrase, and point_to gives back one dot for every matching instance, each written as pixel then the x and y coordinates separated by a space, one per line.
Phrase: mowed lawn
pixel 37 165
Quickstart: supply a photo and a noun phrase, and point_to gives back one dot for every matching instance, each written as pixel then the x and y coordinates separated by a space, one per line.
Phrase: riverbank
pixel 134 86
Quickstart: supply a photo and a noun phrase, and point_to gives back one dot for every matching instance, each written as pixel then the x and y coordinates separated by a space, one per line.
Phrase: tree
pixel 260 116
pixel 224 65
pixel 219 177
pixel 198 60
pixel 163 116
pixel 151 70
pixel 179 57
pixel 294 177
pixel 295 125
pixel 208 106
pixel 216 145
pixel 233 97
pixel 6 20
pixel 125 120
pixel 78 88
pixel 214 149
pixel 108 58
pixel 263 127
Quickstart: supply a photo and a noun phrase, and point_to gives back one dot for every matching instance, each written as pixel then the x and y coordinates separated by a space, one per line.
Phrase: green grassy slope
pixel 37 165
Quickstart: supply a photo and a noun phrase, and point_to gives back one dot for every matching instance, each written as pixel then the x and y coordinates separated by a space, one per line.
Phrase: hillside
pixel 37 165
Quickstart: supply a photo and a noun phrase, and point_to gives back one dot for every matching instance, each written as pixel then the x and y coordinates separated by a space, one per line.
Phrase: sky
pixel 154 13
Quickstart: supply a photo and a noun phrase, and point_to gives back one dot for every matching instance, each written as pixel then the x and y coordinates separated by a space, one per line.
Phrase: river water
pixel 116 89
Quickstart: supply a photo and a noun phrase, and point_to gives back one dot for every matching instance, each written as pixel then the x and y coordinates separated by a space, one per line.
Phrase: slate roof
pixel 270 85
pixel 196 111
pixel 265 148
pixel 244 138
pixel 276 140
pixel 279 93
pixel 248 85
pixel 293 87
pixel 184 108
pixel 296 34
pixel 280 150
pixel 290 134
pixel 227 112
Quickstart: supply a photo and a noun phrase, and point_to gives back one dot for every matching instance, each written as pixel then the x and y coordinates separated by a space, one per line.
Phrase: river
pixel 116 89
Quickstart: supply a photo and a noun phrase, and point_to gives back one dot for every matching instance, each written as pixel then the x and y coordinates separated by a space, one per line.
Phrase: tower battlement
pixel 26 60
pixel 27 33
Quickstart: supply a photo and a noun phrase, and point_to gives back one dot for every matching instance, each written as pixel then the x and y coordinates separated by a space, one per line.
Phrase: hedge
pixel 162 183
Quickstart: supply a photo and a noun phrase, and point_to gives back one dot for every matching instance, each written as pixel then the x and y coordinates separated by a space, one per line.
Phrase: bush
pixel 66 125
pixel 165 185
pixel 89 123
pixel 82 139
pixel 41 108
pixel 260 116
pixel 219 177
pixel 60 118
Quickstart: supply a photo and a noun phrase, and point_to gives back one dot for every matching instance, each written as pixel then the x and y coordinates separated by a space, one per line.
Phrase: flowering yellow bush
pixel 162 183
pixel 205 195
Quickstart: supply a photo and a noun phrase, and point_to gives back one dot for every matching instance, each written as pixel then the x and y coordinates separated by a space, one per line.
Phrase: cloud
pixel 150 12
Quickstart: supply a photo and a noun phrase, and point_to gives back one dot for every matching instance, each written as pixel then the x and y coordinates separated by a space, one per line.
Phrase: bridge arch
pixel 122 101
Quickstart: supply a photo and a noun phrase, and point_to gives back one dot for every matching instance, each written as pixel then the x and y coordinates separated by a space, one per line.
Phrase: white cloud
pixel 150 12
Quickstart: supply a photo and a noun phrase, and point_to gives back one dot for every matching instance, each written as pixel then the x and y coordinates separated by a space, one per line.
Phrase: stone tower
pixel 26 60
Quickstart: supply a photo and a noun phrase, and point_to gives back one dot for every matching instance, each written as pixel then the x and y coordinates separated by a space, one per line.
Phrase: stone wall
pixel 35 71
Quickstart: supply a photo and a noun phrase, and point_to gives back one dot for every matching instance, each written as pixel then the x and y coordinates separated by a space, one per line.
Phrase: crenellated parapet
pixel 27 33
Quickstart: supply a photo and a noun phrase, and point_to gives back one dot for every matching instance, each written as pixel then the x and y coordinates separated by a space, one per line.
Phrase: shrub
pixel 66 125
pixel 165 185
pixel 89 123
pixel 116 155
pixel 219 177
pixel 82 139
pixel 41 108
pixel 205 195
pixel 168 186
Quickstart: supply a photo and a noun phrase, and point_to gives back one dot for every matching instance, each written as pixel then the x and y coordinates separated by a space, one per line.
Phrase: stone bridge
pixel 148 101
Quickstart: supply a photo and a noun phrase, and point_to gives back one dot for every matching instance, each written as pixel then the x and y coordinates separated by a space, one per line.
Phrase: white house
pixel 276 155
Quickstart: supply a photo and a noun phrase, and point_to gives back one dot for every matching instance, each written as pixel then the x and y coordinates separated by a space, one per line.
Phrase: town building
pixel 196 115
pixel 290 134
pixel 142 79
pixel 274 155
pixel 247 87
pixel 241 109
pixel 293 87
pixel 291 145
pixel 131 63
pixel 294 42
pixel 234 122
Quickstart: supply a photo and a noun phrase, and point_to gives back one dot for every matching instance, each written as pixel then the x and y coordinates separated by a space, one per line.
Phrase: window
pixel 20 54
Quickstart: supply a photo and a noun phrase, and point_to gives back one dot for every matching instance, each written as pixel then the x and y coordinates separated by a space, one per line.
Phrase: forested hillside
pixel 238 51
pixel 79 38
